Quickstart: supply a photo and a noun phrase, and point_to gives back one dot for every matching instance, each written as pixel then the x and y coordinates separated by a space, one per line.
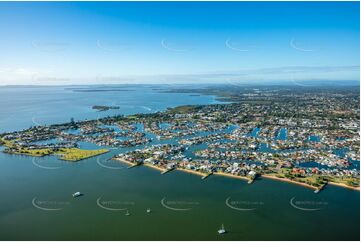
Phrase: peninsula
pixel 306 137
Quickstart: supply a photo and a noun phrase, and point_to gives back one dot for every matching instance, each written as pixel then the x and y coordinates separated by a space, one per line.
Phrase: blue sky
pixel 183 42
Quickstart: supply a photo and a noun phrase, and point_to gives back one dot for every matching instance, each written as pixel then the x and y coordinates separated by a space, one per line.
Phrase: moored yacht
pixel 221 230
pixel 77 194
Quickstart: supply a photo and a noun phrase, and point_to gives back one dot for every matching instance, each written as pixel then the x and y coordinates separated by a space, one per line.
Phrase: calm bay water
pixel 22 107
pixel 183 206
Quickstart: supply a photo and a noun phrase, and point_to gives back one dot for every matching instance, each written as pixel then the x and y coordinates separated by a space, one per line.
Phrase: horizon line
pixel 272 82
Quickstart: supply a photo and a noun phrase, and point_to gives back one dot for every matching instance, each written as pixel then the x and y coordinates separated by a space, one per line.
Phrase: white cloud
pixel 29 76
pixel 19 76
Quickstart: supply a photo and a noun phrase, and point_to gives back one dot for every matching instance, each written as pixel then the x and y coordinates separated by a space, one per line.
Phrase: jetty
pixel 219 173
pixel 166 171
pixel 206 176
pixel 320 188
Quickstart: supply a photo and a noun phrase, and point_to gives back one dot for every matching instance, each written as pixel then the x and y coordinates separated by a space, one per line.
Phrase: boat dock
pixel 166 171
pixel 134 165
pixel 320 188
pixel 206 176
pixel 250 181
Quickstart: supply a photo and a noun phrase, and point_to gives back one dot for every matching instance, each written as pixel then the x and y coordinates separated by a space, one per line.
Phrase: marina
pixel 180 121
pixel 176 185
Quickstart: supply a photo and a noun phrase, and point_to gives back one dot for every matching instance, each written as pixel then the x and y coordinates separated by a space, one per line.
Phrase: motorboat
pixel 221 230
pixel 77 194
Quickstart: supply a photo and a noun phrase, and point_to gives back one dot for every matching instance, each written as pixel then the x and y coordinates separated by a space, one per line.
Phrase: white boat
pixel 221 230
pixel 77 194
pixel 148 210
pixel 127 213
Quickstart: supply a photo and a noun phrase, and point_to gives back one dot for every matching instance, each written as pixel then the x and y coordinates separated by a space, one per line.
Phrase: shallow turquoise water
pixel 267 210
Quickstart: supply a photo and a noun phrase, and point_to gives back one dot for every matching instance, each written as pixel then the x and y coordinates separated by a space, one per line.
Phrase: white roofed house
pixel 252 174
pixel 170 166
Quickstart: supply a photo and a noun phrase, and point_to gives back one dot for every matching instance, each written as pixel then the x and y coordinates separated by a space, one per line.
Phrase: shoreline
pixel 308 185
pixel 154 167
pixel 231 176
pixel 344 186
pixel 201 174
pixel 290 181
pixel 59 155
pixel 192 172
pixel 125 161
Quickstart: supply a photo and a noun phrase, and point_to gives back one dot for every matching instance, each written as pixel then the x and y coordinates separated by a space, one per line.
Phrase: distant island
pixel 101 108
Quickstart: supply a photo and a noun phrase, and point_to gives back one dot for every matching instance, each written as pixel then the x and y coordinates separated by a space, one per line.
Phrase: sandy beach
pixel 154 167
pixel 290 181
pixel 231 176
pixel 344 186
pixel 192 172
pixel 124 161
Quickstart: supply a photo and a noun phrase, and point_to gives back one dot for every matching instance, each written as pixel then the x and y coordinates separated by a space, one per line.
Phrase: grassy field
pixel 317 180
pixel 349 181
pixel 183 109
pixel 68 154
pixel 7 143
pixel 313 180
pixel 34 152
pixel 75 154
